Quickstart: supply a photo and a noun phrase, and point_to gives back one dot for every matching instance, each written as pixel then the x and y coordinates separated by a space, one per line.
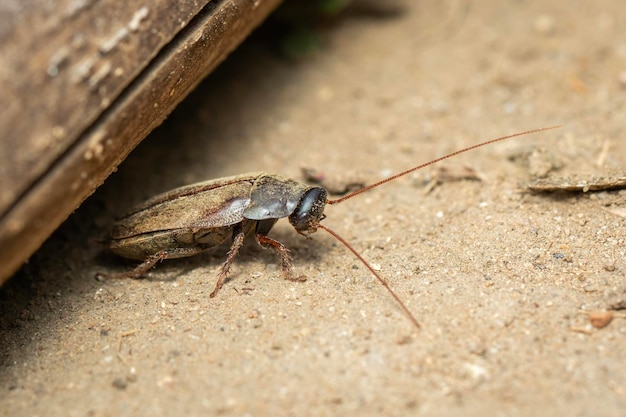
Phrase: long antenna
pixel 382 281
pixel 408 171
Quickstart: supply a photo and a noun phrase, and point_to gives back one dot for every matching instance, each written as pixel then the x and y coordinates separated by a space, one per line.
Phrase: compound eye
pixel 310 211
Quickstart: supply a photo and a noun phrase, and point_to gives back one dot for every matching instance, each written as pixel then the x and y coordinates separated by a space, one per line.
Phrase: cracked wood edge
pixel 141 107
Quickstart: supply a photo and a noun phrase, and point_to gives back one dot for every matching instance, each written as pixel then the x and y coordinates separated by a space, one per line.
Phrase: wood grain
pixel 83 82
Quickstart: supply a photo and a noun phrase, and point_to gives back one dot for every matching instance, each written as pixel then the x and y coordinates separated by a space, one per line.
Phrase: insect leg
pixel 283 252
pixel 143 267
pixel 239 236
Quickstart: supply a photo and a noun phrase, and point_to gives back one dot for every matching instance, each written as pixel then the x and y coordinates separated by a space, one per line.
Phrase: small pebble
pixel 600 319
pixel 544 25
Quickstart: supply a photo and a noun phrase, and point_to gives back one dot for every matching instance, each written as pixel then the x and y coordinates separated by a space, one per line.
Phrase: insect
pixel 194 218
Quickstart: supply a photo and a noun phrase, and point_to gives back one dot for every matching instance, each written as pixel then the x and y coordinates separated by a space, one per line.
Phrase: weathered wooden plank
pixel 83 82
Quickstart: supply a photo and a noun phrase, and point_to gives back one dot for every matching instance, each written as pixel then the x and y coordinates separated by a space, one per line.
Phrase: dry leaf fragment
pixel 335 184
pixel 578 185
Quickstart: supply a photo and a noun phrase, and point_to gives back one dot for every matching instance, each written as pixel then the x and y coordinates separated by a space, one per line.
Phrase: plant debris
pixel 570 184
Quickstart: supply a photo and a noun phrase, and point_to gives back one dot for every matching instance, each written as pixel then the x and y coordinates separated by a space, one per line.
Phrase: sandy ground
pixel 496 276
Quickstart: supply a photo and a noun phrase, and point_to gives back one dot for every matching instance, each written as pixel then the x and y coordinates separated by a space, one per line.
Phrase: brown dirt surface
pixel 499 278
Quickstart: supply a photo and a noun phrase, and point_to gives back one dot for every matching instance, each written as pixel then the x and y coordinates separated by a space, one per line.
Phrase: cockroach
pixel 194 218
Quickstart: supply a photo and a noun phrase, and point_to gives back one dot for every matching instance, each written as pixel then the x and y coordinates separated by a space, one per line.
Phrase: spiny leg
pixel 139 270
pixel 238 239
pixel 283 252
pixel 151 260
